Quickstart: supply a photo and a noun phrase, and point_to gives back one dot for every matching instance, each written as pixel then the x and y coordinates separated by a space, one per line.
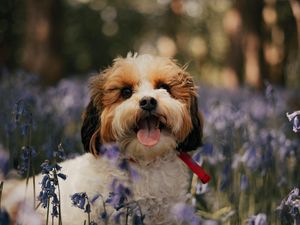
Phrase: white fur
pixel 160 185
pixel 163 176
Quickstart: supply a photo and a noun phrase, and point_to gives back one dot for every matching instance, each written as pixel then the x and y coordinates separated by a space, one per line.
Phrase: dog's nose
pixel 148 103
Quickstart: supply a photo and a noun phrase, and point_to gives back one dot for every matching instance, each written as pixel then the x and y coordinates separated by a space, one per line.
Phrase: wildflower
pixel 79 199
pixel 118 216
pixel 119 195
pixel 269 92
pixel 125 166
pixel 295 119
pixel 4 162
pixel 289 207
pixel 244 182
pixel 23 116
pixel 48 186
pixel 137 219
pixel 259 219
pixel 185 214
pixel 27 154
pixel 27 215
pixel 4 217
pixel 110 151
pixel 60 152
pixel 93 223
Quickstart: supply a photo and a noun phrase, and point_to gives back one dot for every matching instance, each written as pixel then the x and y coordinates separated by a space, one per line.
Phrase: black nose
pixel 148 103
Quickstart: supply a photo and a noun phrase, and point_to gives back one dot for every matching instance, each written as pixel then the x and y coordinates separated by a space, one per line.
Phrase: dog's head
pixel 146 104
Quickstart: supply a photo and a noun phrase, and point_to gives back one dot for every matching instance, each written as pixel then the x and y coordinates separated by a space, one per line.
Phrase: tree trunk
pixel 41 52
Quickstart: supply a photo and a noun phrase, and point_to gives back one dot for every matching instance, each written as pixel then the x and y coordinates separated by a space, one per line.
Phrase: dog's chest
pixel 161 180
pixel 159 188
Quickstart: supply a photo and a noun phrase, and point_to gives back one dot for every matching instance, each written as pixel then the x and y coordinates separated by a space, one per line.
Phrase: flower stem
pixel 59 205
pixel 48 206
pixel 33 184
pixel 1 188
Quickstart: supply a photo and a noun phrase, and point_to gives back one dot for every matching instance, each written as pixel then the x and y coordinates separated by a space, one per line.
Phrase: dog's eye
pixel 163 86
pixel 126 92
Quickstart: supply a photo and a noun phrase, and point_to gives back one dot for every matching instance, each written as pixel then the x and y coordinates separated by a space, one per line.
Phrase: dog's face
pixel 146 104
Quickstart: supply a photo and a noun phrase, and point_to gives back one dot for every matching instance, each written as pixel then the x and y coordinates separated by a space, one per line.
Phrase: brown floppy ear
pixel 194 138
pixel 90 134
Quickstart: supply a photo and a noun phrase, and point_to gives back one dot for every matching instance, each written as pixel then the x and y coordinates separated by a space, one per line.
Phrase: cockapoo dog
pixel 148 106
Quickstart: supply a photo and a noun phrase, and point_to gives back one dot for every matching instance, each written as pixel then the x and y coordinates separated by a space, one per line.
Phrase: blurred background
pixel 244 54
pixel 226 43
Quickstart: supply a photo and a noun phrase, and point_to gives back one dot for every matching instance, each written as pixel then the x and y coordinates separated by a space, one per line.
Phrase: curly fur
pixel 109 117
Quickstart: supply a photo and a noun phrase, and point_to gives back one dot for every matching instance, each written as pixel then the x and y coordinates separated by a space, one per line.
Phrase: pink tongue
pixel 148 134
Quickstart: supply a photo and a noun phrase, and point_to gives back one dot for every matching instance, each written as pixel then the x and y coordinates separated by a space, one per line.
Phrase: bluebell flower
pixel 124 165
pixel 54 211
pixel 244 182
pixel 93 223
pixel 119 195
pixel 60 152
pixel 48 187
pixel 295 119
pixel 27 153
pixel 137 219
pixel 4 217
pixel 259 219
pixel 62 176
pixel 103 216
pixel 289 207
pixel 111 151
pixel 185 214
pixel 117 217
pixel 4 162
pixel 46 167
pixel 95 198
pixel 269 92
pixel 23 116
pixel 79 199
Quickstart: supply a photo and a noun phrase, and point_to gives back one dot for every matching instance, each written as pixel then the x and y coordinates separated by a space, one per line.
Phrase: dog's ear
pixel 90 130
pixel 194 138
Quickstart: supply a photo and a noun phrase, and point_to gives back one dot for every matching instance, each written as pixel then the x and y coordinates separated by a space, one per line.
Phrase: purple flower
pixel 4 217
pixel 259 219
pixel 185 214
pixel 137 219
pixel 244 182
pixel 290 206
pixel 60 152
pixel 54 211
pixel 62 176
pixel 79 199
pixel 93 223
pixel 4 162
pixel 295 119
pixel 27 154
pixel 103 215
pixel 48 186
pixel 111 151
pixel 119 195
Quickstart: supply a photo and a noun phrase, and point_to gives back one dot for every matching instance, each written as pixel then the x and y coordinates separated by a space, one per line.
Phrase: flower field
pixel 251 150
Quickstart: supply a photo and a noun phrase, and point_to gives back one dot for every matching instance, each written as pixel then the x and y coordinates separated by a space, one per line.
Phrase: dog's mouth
pixel 148 130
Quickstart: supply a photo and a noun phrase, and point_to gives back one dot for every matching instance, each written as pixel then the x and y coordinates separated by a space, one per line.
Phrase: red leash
pixel 195 167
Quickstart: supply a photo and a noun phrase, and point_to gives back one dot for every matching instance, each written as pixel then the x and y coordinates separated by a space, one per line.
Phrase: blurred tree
pixel 249 41
pixel 245 62
pixel 42 49
pixel 11 25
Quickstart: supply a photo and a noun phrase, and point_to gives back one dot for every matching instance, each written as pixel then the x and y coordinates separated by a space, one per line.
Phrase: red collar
pixel 194 166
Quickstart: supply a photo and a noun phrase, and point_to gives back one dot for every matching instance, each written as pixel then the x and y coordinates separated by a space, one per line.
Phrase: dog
pixel 148 106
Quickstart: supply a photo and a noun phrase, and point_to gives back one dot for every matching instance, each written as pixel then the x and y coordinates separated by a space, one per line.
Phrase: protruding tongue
pixel 148 133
